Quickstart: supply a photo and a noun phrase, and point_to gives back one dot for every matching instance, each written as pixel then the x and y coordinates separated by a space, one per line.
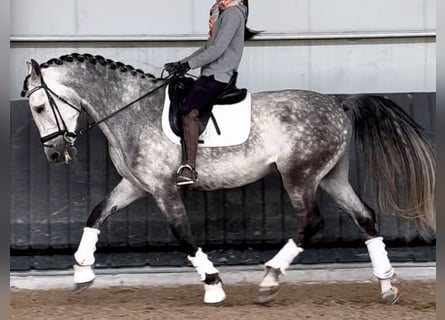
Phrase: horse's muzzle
pixel 59 151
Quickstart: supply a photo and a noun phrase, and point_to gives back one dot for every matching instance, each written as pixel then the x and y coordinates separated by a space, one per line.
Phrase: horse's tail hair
pixel 398 153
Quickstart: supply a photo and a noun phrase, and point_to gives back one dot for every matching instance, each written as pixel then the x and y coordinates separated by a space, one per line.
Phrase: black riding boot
pixel 186 173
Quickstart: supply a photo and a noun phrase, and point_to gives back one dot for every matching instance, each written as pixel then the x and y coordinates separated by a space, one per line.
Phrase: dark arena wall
pixel 51 203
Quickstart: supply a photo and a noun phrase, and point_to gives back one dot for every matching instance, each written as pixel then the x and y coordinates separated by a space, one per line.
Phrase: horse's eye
pixel 39 109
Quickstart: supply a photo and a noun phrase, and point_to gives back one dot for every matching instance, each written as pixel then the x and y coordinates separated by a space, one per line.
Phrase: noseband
pixel 68 137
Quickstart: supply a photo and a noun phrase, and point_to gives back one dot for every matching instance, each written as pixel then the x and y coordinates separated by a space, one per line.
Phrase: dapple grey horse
pixel 304 135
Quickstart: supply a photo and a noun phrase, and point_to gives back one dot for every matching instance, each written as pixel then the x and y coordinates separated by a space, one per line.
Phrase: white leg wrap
pixel 202 264
pixel 84 255
pixel 83 274
pixel 271 279
pixel 381 266
pixel 385 285
pixel 285 256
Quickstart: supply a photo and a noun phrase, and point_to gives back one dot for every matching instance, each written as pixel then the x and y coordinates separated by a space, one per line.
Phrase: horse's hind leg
pixel 337 185
pixel 309 223
pixel 171 204
pixel 122 195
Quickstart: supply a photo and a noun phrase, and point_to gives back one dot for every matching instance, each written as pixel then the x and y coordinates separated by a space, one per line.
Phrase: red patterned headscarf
pixel 216 8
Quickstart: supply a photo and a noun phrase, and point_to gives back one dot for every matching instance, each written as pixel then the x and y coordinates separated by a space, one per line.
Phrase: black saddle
pixel 179 90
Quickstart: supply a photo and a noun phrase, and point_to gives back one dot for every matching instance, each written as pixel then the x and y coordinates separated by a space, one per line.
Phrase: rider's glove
pixel 177 68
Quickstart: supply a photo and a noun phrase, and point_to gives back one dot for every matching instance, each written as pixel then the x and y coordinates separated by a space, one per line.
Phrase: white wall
pixel 334 66
pixel 132 17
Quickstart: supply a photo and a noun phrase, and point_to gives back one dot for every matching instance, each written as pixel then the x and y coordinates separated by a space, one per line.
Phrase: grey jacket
pixel 221 55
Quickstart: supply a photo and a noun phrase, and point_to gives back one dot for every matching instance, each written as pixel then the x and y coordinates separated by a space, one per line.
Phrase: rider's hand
pixel 171 67
pixel 177 68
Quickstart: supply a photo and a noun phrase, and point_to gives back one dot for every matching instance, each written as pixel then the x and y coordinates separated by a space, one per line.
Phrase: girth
pixel 178 91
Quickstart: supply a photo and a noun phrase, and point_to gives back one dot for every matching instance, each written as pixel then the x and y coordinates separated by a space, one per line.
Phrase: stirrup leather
pixel 182 179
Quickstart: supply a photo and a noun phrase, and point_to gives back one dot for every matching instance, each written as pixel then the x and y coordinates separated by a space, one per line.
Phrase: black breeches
pixel 203 94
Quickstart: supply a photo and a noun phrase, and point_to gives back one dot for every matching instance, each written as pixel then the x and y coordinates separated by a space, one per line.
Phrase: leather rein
pixel 70 137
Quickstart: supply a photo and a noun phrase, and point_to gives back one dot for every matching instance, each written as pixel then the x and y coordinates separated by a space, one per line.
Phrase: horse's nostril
pixel 55 155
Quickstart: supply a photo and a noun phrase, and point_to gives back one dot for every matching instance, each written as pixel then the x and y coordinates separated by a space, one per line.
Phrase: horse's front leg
pixel 121 196
pixel 171 204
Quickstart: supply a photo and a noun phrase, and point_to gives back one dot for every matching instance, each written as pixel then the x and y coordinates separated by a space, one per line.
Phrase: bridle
pixel 68 136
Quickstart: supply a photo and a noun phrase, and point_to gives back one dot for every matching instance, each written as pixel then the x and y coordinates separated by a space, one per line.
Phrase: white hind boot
pixel 214 292
pixel 382 269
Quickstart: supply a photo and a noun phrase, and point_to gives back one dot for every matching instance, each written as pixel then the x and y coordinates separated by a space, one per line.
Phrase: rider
pixel 218 59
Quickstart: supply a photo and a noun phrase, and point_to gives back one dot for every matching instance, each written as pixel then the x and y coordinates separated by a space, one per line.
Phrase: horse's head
pixel 55 109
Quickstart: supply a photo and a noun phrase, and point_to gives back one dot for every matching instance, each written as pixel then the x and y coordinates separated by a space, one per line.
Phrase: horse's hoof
pixel 83 277
pixel 391 296
pixel 267 294
pixel 81 287
pixel 214 293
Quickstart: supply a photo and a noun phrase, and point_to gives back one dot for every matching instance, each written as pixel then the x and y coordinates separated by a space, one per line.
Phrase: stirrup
pixel 182 179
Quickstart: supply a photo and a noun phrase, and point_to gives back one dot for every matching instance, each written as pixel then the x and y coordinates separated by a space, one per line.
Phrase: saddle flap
pixel 179 89
pixel 233 121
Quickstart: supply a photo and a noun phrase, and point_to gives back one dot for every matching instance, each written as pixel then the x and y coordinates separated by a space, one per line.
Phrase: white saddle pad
pixel 233 122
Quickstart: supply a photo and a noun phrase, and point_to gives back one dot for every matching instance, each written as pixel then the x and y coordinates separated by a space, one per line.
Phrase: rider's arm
pixel 194 54
pixel 214 48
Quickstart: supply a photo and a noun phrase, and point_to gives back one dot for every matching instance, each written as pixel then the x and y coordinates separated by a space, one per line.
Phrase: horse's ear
pixel 29 65
pixel 34 69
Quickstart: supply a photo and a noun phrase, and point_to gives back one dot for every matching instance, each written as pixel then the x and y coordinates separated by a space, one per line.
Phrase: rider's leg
pixel 204 92
pixel 190 125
